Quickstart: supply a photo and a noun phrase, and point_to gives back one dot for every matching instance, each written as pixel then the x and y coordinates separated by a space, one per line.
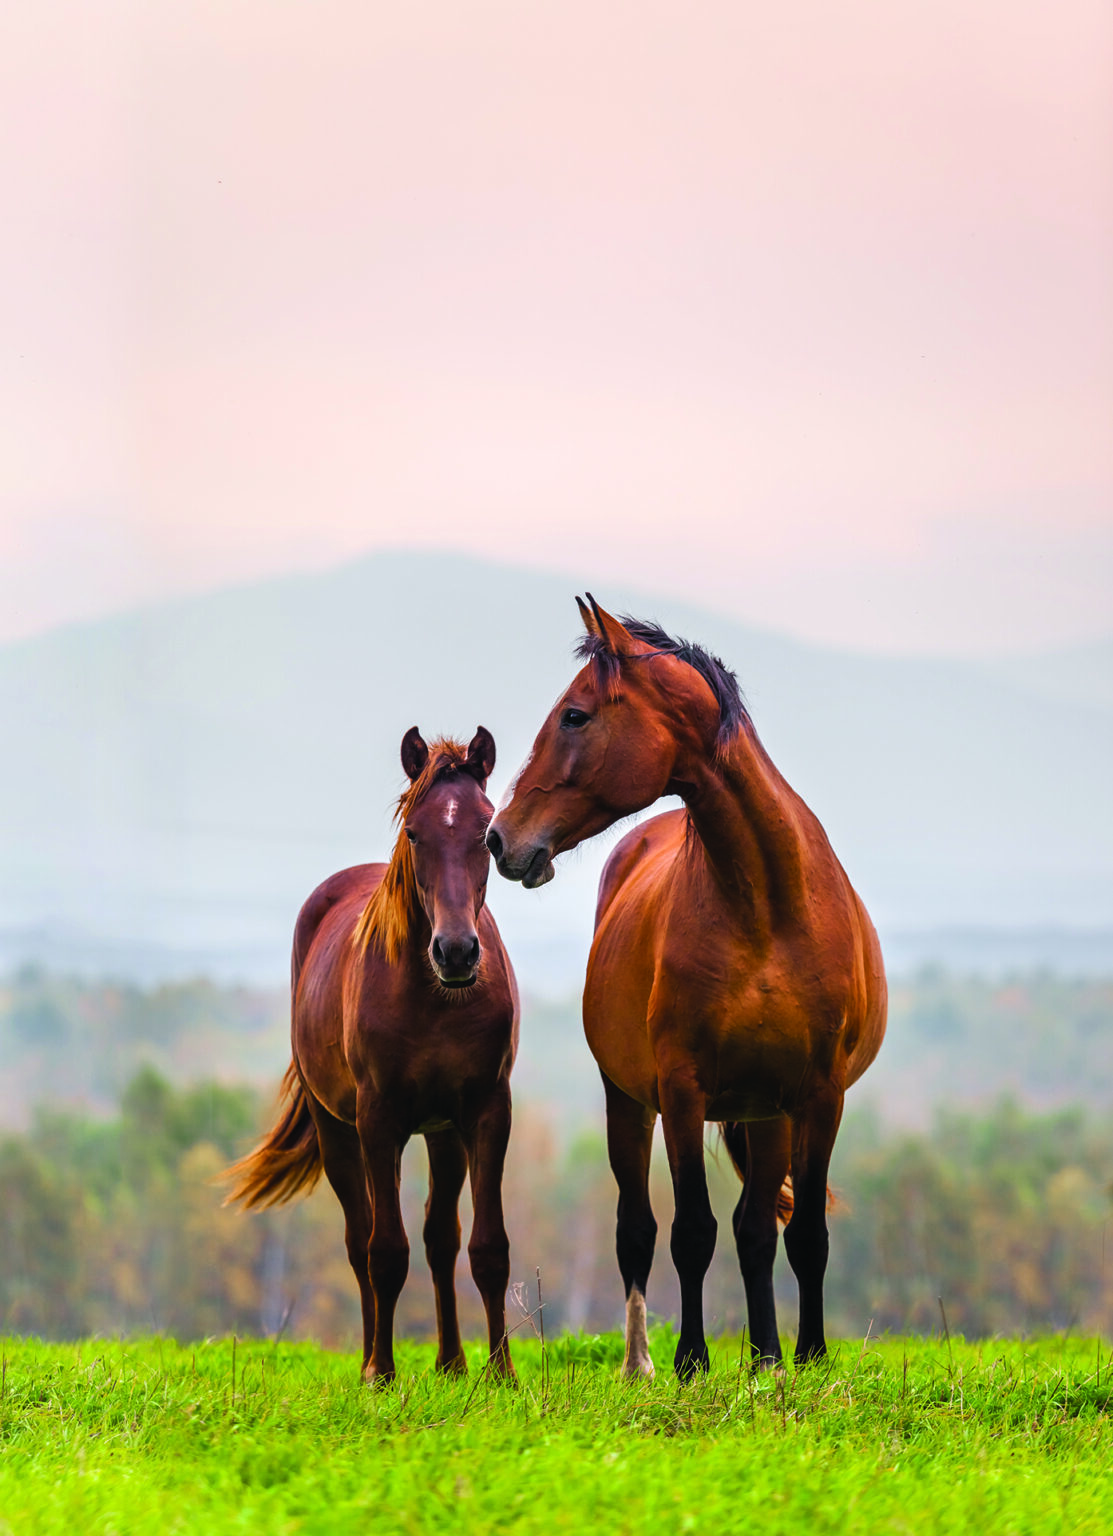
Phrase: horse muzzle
pixel 455 961
pixel 532 866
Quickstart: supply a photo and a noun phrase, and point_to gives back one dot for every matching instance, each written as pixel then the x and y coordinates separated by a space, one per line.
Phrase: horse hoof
pixel 638 1368
pixel 767 1363
pixel 457 1366
pixel 689 1364
pixel 373 1377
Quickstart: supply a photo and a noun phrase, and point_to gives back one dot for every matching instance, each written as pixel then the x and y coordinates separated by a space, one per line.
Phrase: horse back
pixel 352 886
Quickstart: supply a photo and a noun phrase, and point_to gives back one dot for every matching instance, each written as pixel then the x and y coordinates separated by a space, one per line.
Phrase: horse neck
pixel 393 922
pixel 751 828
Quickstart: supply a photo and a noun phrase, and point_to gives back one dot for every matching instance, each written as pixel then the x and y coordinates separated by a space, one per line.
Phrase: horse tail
pixel 734 1139
pixel 287 1162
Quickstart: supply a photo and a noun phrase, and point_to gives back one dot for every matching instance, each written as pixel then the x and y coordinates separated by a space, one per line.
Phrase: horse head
pixel 615 741
pixel 440 863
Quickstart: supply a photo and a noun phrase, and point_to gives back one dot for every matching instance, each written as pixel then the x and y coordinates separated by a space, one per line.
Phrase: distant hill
pixel 174 781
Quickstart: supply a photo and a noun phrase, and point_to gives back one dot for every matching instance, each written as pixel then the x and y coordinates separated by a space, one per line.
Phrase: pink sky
pixel 806 314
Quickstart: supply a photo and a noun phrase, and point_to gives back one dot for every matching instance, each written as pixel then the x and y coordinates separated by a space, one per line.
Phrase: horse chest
pixel 428 1068
pixel 754 1028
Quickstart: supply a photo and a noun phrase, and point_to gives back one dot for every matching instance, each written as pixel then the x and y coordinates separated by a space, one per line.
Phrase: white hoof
pixel 636 1362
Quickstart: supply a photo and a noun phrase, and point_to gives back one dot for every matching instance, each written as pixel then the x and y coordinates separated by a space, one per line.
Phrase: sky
pixel 803 313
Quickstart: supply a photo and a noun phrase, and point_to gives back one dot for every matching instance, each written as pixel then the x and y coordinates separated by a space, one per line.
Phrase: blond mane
pixel 387 919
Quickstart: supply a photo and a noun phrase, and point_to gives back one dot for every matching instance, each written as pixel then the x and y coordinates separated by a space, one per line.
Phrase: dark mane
pixel 733 714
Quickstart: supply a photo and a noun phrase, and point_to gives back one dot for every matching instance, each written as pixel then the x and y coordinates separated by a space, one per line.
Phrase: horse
pixel 734 974
pixel 404 1022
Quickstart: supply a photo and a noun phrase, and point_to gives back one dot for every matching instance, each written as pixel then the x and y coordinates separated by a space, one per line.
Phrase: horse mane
pixel 386 920
pixel 733 714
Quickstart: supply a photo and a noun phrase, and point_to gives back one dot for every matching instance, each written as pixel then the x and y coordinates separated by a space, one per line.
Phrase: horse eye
pixel 411 835
pixel 572 719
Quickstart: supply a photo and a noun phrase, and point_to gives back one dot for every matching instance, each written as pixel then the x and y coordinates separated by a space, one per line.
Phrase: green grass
pixel 899 1435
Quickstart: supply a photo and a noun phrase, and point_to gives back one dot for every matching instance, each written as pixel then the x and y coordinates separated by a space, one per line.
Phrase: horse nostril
pixel 494 844
pixel 455 957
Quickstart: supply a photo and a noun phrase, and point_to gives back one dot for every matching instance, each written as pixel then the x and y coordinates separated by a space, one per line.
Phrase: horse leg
pixel 629 1144
pixel 388 1250
pixel 761 1153
pixel 448 1166
pixel 489 1247
pixel 343 1163
pixel 683 1107
pixel 806 1242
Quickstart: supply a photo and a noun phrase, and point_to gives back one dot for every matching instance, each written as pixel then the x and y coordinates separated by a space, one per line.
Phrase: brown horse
pixel 404 1022
pixel 734 974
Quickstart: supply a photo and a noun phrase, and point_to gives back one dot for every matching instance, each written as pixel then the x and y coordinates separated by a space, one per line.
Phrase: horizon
pixel 136 606
pixel 157 797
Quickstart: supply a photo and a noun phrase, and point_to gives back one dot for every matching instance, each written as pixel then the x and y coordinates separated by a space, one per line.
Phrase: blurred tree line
pixel 113 1225
pixel 1038 1037
pixel 68 1040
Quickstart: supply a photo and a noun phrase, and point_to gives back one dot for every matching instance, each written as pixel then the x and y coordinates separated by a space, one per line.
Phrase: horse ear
pixel 415 754
pixel 587 616
pixel 480 760
pixel 614 635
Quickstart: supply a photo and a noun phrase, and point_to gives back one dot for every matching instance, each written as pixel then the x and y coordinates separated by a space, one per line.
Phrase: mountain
pixel 174 781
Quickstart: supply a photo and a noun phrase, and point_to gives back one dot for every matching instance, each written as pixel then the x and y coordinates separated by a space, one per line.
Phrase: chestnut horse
pixel 734 975
pixel 404 1022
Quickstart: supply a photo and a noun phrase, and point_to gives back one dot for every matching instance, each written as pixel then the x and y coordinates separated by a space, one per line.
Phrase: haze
pixel 802 316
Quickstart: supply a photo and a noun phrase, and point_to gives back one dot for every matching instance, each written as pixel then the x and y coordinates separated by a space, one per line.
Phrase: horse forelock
pixel 733 714
pixel 387 919
pixel 604 664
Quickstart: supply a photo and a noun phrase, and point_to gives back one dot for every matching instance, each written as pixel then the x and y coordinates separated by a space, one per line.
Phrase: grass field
pixel 897 1435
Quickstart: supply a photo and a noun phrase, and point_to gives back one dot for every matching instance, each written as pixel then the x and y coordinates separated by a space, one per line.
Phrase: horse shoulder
pixel 659 835
pixel 502 985
pixel 623 961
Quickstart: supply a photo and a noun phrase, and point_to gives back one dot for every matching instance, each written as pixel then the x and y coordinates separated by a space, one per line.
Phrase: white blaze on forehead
pixel 450 813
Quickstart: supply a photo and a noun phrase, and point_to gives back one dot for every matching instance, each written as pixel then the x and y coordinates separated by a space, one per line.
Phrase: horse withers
pixel 405 1022
pixel 734 975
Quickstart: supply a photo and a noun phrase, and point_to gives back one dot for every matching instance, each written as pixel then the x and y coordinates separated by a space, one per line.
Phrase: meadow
pixel 901 1435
